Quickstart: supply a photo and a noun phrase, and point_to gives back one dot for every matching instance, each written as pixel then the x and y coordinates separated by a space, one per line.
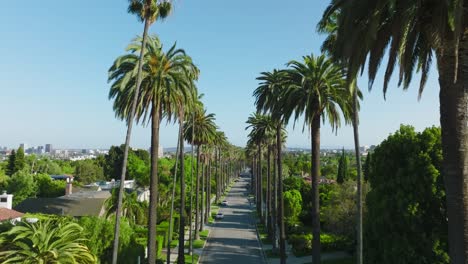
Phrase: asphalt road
pixel 234 239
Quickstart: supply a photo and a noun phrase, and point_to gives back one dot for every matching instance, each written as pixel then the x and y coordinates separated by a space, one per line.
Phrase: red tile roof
pixel 7 214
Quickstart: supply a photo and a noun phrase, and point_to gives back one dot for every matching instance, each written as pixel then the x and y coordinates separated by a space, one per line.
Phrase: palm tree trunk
pixel 208 190
pixel 359 174
pixel 217 174
pixel 191 187
pixel 453 98
pixel 274 215
pixel 260 191
pixel 252 175
pixel 203 193
pixel 174 183
pixel 268 195
pixel 153 203
pixel 127 145
pixel 281 198
pixel 315 172
pixel 181 256
pixel 197 194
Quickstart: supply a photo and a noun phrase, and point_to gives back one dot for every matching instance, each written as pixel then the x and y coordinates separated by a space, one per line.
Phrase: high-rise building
pixel 24 146
pixel 48 148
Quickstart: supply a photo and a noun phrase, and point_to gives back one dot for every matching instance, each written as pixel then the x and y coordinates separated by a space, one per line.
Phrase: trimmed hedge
pixel 302 243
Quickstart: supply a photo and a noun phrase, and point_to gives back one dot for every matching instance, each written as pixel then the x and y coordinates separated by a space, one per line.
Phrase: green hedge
pixel 302 243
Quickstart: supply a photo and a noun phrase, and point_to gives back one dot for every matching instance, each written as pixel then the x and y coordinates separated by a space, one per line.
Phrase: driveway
pixel 234 239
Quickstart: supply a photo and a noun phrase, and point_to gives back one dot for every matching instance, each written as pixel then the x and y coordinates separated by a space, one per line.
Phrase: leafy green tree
pixel 113 162
pixel 292 206
pixel 46 187
pixel 10 170
pixel 87 171
pixel 20 162
pixel 45 242
pixel 139 170
pixel 339 210
pixel 366 167
pixel 406 204
pixel 22 185
pixel 342 175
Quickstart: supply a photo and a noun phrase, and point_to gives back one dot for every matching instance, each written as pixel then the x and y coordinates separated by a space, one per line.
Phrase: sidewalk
pixel 196 251
pixel 175 251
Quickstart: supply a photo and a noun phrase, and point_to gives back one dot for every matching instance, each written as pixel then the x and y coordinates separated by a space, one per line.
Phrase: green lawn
pixel 188 258
pixel 196 243
pixel 263 234
pixel 174 243
pixel 204 234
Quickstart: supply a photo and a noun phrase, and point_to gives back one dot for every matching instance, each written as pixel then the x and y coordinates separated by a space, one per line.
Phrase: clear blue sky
pixel 55 56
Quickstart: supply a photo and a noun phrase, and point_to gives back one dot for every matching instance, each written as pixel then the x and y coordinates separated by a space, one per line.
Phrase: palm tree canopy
pixel 318 87
pixel 200 129
pixel 155 10
pixel 263 127
pixel 411 30
pixel 167 77
pixel 45 242
pixel 269 93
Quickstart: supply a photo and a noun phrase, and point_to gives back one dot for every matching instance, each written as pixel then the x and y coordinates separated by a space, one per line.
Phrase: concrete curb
pixel 259 240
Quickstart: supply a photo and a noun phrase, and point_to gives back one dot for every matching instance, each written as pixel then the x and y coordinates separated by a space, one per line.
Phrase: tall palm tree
pixel 45 242
pixel 269 98
pixel 263 129
pixel 328 25
pixel 147 11
pixel 414 31
pixel 318 90
pixel 166 77
pixel 184 104
pixel 199 131
pixel 220 141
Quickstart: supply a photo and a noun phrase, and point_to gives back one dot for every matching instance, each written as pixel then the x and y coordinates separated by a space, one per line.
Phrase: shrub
pixel 302 243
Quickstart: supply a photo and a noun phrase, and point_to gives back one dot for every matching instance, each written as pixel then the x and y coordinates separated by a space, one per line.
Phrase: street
pixel 234 239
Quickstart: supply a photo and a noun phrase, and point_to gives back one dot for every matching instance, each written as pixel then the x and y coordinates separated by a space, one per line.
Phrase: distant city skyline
pixel 54 88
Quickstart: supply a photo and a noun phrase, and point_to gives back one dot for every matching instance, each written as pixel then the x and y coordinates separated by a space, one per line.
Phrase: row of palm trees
pixel 149 85
pixel 358 34
pixel 316 89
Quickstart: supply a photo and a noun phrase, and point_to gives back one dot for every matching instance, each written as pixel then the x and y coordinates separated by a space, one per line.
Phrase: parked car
pixel 219 216
pixel 224 203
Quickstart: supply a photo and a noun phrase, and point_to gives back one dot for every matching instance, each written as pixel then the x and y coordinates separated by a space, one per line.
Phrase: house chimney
pixel 68 187
pixel 6 200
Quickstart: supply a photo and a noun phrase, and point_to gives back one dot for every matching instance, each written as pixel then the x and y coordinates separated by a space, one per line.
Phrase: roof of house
pixel 7 214
pixel 76 205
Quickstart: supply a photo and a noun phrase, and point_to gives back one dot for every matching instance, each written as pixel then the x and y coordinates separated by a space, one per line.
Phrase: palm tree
pixel 318 90
pixel 263 129
pixel 184 104
pixel 220 141
pixel 328 25
pixel 414 31
pixel 269 98
pixel 199 131
pixel 148 11
pixel 45 242
pixel 166 77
